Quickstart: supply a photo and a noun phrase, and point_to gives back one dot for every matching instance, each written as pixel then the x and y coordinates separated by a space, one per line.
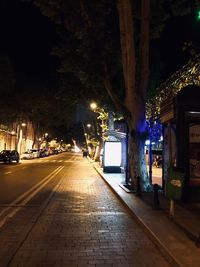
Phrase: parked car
pixel 43 153
pixel 9 156
pixel 55 151
pixel 27 155
pixel 35 153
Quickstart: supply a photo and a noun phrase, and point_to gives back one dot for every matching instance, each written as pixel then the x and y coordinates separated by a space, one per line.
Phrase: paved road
pixel 15 179
pixel 80 222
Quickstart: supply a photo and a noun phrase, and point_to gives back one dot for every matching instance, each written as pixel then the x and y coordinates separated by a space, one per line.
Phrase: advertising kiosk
pixel 112 156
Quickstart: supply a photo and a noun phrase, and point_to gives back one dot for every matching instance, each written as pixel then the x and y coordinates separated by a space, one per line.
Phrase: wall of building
pixel 17 137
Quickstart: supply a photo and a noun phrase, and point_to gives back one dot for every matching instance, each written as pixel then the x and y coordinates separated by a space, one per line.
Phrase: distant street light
pixel 88 125
pixel 93 105
pixel 23 124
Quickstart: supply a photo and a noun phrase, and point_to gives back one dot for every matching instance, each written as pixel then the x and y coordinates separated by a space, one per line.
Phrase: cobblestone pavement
pixel 85 224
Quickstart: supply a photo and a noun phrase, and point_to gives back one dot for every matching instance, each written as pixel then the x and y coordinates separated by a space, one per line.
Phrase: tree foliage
pixel 105 44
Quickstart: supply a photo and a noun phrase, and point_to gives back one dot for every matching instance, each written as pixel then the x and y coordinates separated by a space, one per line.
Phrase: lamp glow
pixel 93 105
pixel 147 142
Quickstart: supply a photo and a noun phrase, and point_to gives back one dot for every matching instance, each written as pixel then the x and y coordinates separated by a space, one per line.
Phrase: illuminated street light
pixel 13 132
pixel 102 115
pixel 88 125
pixel 93 105
pixel 23 124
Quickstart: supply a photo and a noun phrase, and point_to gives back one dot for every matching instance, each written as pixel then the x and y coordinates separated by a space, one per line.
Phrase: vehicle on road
pixel 27 155
pixel 43 153
pixel 35 152
pixel 9 156
pixel 55 151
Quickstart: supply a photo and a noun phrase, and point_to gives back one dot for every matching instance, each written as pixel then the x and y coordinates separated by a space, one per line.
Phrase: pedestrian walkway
pixel 81 224
pixel 178 238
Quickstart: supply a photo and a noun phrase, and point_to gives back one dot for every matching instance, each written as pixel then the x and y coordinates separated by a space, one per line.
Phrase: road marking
pixel 7 172
pixel 27 196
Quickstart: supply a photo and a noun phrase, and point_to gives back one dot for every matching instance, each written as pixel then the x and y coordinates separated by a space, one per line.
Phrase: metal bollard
pixel 155 196
pixel 138 187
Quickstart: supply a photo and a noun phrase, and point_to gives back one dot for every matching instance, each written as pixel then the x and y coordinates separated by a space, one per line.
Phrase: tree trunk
pixel 135 92
pixel 137 163
pixel 98 152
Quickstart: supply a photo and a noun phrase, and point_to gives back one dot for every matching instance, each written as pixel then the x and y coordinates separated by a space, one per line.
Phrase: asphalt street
pixel 57 211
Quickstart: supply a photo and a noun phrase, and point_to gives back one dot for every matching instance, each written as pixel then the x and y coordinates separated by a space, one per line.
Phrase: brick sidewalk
pixel 174 237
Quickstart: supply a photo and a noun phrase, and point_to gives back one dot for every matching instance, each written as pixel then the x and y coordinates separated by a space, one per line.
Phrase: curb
pixel 161 247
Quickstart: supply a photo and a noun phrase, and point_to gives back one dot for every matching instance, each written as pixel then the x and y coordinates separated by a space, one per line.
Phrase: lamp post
pixel 103 115
pixel 46 141
pixel 20 129
pixel 85 134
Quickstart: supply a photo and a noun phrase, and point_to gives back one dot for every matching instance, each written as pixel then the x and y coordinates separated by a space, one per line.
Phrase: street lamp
pixel 89 125
pixel 21 132
pixel 102 115
pixel 93 105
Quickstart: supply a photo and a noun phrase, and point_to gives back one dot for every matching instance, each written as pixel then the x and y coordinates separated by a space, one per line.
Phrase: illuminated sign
pixel 112 154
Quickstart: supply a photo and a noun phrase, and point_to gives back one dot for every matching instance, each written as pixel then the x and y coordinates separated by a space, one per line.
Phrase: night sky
pixel 27 37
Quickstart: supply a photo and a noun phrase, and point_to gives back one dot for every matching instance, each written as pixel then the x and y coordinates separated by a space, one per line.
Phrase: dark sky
pixel 28 37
